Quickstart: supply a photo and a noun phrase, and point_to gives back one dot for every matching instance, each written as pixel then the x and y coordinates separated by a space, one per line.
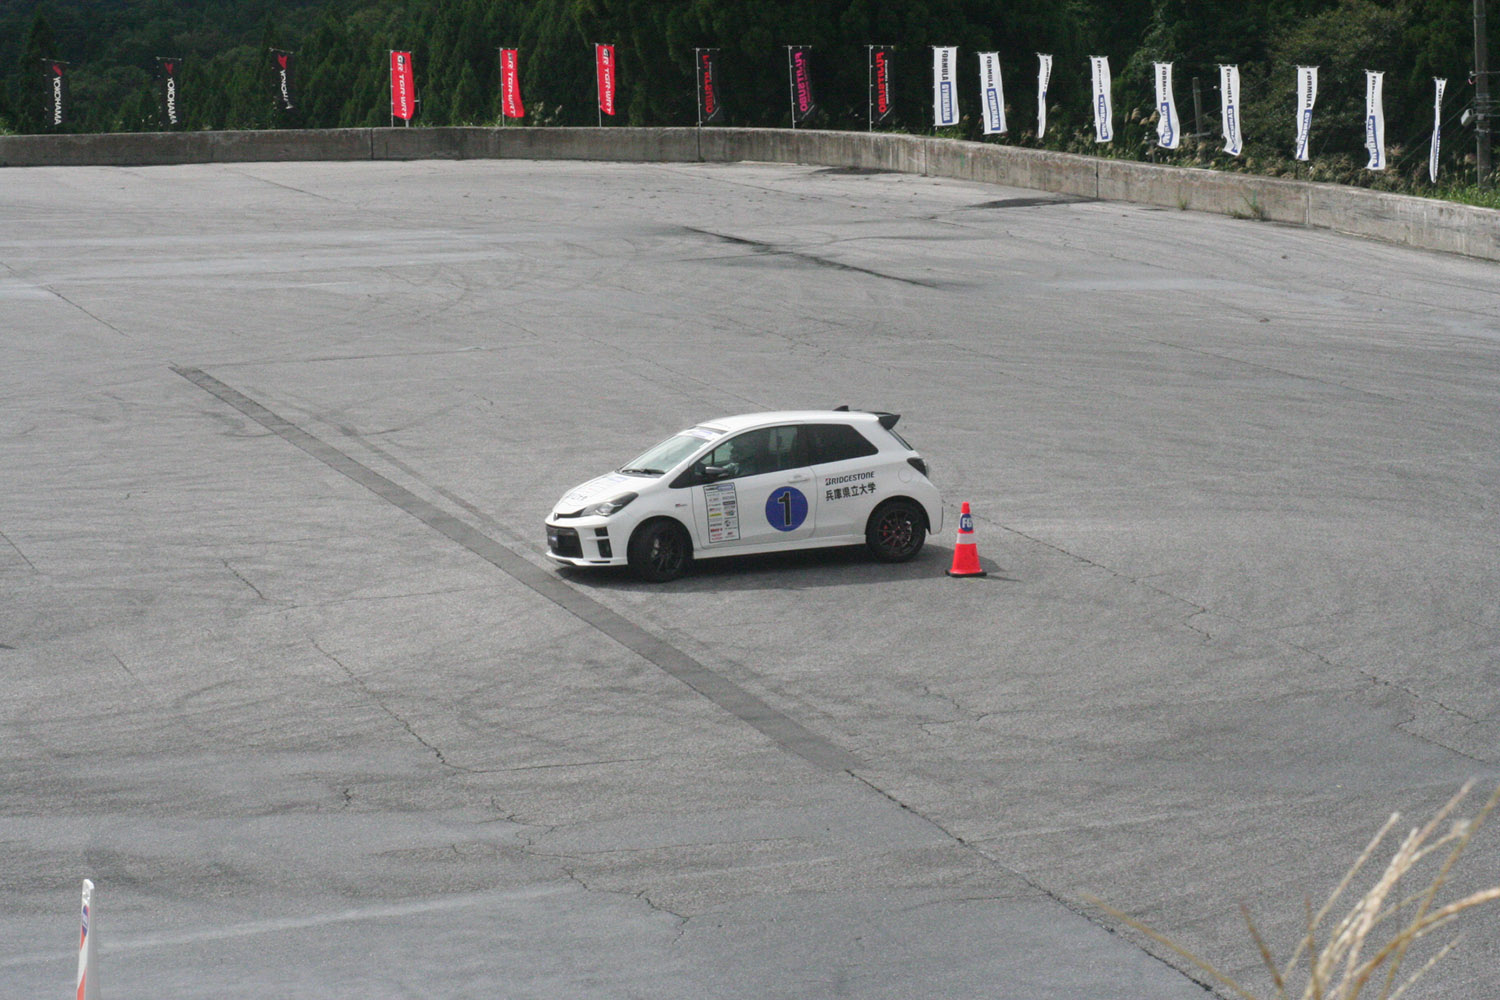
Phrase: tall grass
pixel 1363 953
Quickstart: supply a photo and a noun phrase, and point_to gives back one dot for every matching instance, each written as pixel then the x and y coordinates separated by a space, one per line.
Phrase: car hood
pixel 601 488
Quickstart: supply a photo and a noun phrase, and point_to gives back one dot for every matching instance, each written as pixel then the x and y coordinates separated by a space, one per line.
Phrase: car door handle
pixel 799 479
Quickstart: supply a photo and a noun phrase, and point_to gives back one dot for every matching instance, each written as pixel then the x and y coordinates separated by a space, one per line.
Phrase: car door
pixel 754 489
pixel 845 466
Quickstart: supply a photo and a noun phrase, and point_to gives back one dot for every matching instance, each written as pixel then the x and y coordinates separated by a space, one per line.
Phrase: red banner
pixel 403 87
pixel 604 64
pixel 510 84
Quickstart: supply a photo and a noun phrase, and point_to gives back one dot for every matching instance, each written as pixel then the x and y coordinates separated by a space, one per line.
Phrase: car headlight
pixel 609 507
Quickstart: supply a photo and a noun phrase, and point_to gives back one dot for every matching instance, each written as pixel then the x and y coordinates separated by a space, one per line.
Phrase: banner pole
pixel 869 89
pixel 791 83
pixel 698 83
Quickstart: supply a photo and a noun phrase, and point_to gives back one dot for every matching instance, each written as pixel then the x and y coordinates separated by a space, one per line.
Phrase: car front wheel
pixel 659 551
pixel 896 530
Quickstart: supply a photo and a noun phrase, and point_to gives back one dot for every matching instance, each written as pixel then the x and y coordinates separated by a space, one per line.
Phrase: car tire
pixel 659 551
pixel 896 530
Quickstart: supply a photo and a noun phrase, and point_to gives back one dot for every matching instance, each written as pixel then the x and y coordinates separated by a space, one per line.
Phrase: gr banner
pixel 55 75
pixel 167 69
pixel 1440 85
pixel 710 111
pixel 403 87
pixel 1043 78
pixel 991 93
pixel 1375 119
pixel 1307 96
pixel 604 73
pixel 799 70
pixel 1168 129
pixel 944 99
pixel 1104 129
pixel 510 84
pixel 281 78
pixel 881 108
pixel 1229 102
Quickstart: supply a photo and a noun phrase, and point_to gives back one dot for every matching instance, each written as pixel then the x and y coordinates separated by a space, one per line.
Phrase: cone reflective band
pixel 1104 129
pixel 1307 96
pixel 1437 129
pixel 170 110
pixel 799 68
pixel 604 71
pixel 403 87
pixel 965 551
pixel 1168 135
pixel 1229 103
pixel 55 71
pixel 880 85
pixel 281 78
pixel 710 111
pixel 510 84
pixel 88 977
pixel 991 93
pixel 1043 78
pixel 1375 119
pixel 944 100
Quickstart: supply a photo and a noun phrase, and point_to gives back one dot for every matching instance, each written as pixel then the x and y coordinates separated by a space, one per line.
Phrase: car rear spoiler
pixel 887 420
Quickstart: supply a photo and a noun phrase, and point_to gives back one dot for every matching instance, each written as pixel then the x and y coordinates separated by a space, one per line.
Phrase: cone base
pixel 977 572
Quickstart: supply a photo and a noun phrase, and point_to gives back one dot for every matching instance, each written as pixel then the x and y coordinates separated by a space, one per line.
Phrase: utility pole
pixel 1482 107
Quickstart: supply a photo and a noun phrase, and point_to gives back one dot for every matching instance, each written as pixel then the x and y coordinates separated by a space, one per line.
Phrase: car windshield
pixel 660 459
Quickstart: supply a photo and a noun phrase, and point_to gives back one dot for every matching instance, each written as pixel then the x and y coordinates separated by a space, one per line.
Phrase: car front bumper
pixel 584 541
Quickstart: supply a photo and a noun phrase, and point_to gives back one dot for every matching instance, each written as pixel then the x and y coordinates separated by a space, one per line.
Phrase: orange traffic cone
pixel 966 553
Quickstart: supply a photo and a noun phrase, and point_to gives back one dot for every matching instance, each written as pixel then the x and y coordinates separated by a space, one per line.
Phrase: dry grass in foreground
pixel 1361 955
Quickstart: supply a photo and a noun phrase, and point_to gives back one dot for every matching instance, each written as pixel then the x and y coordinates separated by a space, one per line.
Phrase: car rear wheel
pixel 659 551
pixel 896 530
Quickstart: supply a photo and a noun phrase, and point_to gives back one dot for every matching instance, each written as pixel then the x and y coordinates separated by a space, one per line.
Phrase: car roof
pixel 745 421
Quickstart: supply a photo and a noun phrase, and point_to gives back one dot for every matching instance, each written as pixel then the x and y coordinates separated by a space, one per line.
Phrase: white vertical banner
pixel 991 93
pixel 1104 129
pixel 1043 78
pixel 1168 132
pixel 88 975
pixel 1437 128
pixel 1375 118
pixel 944 98
pixel 1307 96
pixel 1229 103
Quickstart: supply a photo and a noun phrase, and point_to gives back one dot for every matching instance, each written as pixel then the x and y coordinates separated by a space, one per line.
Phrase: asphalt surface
pixel 287 675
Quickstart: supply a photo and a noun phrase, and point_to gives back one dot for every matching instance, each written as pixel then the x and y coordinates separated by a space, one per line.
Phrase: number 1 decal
pixel 786 509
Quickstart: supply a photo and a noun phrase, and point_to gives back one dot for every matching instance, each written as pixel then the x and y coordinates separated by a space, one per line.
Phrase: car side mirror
pixel 713 472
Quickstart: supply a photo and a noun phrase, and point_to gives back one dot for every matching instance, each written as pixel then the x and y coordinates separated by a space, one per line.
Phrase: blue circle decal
pixel 786 509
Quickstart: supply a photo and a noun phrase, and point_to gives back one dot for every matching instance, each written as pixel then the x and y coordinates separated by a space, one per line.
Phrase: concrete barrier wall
pixel 1415 222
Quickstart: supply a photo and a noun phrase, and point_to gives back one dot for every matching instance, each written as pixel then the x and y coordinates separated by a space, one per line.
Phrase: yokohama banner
pixel 991 93
pixel 1104 129
pixel 1375 119
pixel 1229 103
pixel 281 78
pixel 1043 78
pixel 604 73
pixel 880 85
pixel 403 87
pixel 54 74
pixel 1307 96
pixel 710 111
pixel 799 67
pixel 1168 130
pixel 510 84
pixel 944 99
pixel 1437 128
pixel 167 68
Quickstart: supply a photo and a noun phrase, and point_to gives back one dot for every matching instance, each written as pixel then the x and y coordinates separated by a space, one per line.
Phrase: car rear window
pixel 829 443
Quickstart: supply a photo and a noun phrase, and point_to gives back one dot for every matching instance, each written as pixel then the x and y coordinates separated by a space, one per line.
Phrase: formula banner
pixel 1307 96
pixel 167 68
pixel 510 84
pixel 1104 129
pixel 881 108
pixel 710 111
pixel 604 73
pixel 1168 132
pixel 281 79
pixel 1229 105
pixel 1043 78
pixel 1375 119
pixel 1437 128
pixel 403 87
pixel 991 93
pixel 55 73
pixel 944 99
pixel 799 70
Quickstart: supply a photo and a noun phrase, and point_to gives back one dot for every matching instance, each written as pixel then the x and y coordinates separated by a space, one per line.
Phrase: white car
pixel 758 482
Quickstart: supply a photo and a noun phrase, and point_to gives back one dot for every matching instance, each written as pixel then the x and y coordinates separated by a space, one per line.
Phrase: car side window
pixel 758 452
pixel 829 443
